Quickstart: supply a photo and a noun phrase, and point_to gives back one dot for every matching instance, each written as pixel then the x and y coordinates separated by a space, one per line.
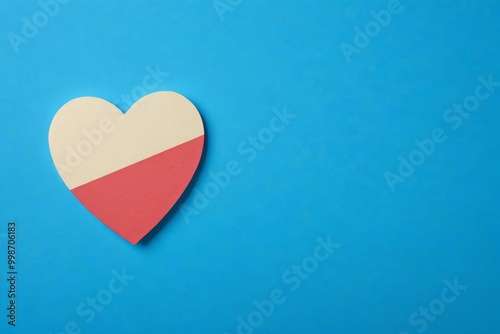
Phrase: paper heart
pixel 128 169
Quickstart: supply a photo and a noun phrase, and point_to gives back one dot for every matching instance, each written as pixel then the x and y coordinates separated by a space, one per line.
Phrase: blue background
pixel 322 175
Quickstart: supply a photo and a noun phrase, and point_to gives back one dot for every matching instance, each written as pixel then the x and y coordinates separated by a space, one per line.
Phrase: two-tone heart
pixel 128 169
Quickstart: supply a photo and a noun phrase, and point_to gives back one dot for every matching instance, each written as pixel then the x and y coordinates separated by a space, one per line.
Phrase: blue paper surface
pixel 318 232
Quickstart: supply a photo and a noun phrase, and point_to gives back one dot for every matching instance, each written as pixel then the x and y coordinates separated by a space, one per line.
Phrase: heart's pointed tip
pixel 134 240
pixel 134 243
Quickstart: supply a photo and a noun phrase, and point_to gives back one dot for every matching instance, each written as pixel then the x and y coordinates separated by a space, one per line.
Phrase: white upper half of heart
pixel 90 137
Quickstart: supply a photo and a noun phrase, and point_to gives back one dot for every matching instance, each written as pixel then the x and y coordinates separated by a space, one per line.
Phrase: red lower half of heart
pixel 133 200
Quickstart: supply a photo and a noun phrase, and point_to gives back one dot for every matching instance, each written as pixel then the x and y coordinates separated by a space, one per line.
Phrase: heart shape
pixel 128 169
